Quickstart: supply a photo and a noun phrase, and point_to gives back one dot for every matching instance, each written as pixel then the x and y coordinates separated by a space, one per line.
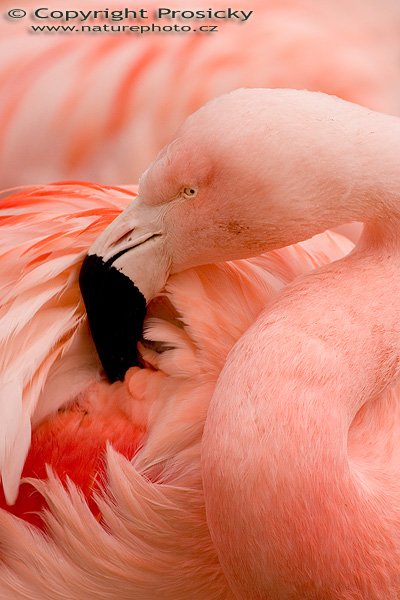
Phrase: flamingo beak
pixel 126 266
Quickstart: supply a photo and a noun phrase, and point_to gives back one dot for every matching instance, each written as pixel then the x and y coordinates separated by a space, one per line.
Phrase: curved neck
pixel 339 170
pixel 289 516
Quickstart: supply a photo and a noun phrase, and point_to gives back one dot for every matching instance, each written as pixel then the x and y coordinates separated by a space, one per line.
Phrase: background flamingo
pixel 100 107
pixel 152 509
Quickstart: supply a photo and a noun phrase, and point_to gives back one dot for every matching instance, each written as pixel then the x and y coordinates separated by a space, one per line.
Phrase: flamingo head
pixel 237 181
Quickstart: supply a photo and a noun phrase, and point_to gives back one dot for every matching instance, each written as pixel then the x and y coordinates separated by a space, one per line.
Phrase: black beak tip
pixel 116 309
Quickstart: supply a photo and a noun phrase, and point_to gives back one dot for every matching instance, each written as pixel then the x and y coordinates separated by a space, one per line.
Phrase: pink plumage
pixel 41 311
pixel 148 533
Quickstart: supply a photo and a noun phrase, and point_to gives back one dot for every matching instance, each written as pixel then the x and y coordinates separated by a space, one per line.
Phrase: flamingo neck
pixel 289 513
pixel 343 171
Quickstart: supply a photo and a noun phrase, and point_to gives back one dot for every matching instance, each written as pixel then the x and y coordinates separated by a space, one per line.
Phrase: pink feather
pixel 149 533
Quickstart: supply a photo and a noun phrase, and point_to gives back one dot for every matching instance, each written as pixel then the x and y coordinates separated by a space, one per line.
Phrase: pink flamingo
pixel 300 453
pixel 100 106
pixel 146 533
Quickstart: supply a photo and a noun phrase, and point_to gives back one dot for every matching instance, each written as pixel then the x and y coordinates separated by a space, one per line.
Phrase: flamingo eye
pixel 189 192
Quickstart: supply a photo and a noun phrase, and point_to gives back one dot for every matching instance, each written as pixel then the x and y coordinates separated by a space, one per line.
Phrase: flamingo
pixel 115 100
pixel 116 468
pixel 300 457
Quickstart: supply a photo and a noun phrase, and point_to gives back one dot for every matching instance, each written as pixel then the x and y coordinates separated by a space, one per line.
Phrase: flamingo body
pixel 115 528
pixel 299 461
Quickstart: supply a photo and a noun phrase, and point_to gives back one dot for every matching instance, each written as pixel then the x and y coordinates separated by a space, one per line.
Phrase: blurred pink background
pixel 99 106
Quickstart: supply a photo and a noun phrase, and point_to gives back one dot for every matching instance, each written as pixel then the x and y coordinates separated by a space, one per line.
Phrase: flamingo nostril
pixel 125 237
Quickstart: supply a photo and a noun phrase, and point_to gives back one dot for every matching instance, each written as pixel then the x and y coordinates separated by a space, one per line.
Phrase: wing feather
pixel 46 355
